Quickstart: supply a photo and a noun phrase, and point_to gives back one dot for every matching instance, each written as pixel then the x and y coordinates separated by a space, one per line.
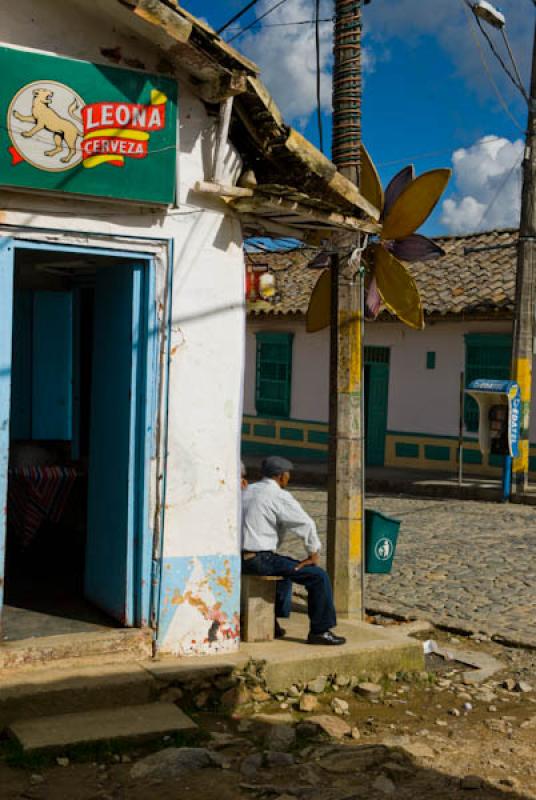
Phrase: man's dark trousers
pixel 319 593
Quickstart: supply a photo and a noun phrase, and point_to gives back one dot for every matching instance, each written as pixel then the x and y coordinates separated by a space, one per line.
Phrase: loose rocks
pixel 308 702
pixel 471 782
pixel 318 685
pixel 275 759
pixel 173 762
pixel 280 737
pixel 333 726
pixel 250 765
pixel 340 706
pixel 371 691
pixel 306 729
pixel 384 784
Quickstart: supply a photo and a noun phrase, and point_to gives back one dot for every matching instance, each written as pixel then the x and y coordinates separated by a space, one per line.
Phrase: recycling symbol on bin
pixel 383 550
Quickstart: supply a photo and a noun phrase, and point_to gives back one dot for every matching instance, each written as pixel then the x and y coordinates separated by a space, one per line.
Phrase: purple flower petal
pixel 396 186
pixel 416 248
pixel 322 260
pixel 373 301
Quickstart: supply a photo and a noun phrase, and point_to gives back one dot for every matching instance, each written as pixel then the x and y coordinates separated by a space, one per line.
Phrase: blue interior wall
pixel 42 390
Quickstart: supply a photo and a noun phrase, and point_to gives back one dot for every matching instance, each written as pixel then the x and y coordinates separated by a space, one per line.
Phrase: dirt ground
pixel 429 736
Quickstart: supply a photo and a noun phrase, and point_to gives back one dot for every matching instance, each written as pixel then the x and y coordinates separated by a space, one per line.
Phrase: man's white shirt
pixel 269 513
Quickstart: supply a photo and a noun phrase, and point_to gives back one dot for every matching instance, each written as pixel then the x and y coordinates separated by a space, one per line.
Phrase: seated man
pixel 268 513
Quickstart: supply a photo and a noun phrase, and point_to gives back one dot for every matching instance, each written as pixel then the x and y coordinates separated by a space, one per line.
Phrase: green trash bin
pixel 381 534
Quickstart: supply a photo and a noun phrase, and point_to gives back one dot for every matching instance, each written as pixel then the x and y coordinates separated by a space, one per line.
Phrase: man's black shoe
pixel 279 632
pixel 328 637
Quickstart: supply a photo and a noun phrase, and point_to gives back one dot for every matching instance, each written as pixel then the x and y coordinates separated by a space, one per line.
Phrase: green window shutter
pixel 430 359
pixel 273 374
pixel 486 356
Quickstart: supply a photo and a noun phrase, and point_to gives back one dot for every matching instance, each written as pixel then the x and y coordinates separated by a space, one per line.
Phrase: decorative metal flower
pixel 407 202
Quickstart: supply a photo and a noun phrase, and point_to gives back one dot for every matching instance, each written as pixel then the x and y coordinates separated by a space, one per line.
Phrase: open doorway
pixel 76 484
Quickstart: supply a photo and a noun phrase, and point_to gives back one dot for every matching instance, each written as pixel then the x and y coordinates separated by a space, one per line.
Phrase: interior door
pixel 6 319
pixel 118 376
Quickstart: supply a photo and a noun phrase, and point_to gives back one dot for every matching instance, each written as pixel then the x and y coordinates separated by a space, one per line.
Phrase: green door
pixel 376 404
pixel 487 355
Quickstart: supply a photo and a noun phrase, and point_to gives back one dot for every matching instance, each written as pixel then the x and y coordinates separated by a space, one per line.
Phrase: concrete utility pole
pixel 346 468
pixel 524 323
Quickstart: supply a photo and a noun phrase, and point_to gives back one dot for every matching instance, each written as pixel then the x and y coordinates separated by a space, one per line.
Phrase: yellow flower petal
pixel 398 289
pixel 414 204
pixel 370 185
pixel 319 310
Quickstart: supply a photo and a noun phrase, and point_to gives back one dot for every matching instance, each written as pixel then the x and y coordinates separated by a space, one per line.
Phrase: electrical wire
pixel 495 197
pixel 514 64
pixel 288 24
pixel 318 76
pixel 516 79
pixel 236 16
pixel 485 64
pixel 431 153
pixel 256 21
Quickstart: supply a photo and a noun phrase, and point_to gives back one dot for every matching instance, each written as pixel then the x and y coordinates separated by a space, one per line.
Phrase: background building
pixel 412 378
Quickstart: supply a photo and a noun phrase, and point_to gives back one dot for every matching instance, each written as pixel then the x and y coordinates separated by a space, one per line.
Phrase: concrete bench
pixel 257 608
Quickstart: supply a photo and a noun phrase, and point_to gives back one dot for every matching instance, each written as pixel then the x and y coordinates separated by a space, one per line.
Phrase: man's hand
pixel 313 559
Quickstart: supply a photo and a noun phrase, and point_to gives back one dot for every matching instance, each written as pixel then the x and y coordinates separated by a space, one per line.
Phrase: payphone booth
pixel 499 422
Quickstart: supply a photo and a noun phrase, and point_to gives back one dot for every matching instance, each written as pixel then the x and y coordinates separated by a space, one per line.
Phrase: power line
pixel 515 80
pixel 430 153
pixel 485 64
pixel 514 64
pixel 237 16
pixel 318 76
pixel 289 24
pixel 255 21
pixel 503 183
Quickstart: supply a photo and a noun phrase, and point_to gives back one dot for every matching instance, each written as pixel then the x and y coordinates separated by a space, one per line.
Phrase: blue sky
pixel 426 90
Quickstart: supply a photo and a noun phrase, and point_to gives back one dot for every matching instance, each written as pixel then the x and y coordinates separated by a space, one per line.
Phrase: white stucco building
pixel 412 378
pixel 122 322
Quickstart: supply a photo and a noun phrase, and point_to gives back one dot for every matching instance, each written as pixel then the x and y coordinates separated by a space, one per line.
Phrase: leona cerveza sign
pixel 72 126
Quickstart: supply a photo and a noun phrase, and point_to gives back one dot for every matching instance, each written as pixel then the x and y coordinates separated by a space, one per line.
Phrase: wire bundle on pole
pixel 318 76
pixel 347 88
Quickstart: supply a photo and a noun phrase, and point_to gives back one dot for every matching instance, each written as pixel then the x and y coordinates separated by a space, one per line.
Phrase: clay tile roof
pixel 476 276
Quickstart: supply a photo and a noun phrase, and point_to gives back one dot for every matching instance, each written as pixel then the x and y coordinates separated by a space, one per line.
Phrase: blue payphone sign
pixel 499 405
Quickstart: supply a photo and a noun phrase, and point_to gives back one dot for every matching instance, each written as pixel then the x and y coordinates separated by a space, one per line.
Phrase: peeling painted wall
pixel 200 548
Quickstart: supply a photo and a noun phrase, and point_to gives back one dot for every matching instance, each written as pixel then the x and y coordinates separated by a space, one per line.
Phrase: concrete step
pixel 130 723
pixel 39 692
pixel 123 643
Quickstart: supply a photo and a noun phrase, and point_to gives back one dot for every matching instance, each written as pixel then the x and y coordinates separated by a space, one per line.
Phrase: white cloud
pixel 488 186
pixel 287 56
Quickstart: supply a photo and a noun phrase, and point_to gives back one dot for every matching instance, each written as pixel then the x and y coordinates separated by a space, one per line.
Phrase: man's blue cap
pixel 275 465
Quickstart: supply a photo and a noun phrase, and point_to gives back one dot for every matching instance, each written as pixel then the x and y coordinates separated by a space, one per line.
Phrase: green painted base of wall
pixel 426 451
pixel 296 439
pixel 303 453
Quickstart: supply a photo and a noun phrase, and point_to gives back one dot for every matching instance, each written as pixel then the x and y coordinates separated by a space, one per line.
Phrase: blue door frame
pixel 142 545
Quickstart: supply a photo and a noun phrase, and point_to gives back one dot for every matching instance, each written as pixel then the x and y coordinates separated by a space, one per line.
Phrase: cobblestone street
pixel 464 564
